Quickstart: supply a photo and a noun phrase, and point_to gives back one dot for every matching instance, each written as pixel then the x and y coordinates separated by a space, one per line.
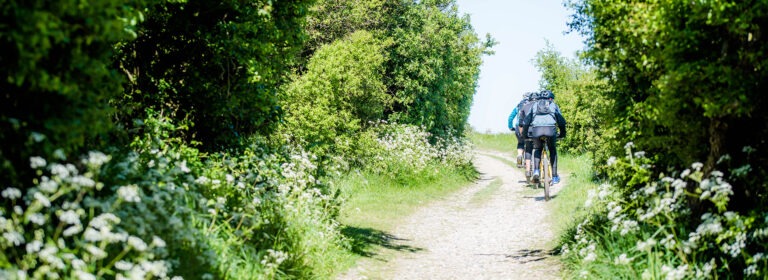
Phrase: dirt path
pixel 493 229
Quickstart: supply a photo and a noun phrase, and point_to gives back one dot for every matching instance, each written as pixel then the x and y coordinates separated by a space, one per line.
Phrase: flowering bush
pixel 404 151
pixel 158 210
pixel 652 232
pixel 57 229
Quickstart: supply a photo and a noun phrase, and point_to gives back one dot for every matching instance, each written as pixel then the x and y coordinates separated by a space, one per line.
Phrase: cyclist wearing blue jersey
pixel 513 124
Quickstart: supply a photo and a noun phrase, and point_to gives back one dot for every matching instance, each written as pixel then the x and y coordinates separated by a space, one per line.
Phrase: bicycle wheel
pixel 546 177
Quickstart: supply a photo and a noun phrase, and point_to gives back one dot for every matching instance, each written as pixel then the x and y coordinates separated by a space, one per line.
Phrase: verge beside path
pixel 474 234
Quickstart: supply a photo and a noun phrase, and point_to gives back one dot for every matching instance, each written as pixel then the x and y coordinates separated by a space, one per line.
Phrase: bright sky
pixel 521 28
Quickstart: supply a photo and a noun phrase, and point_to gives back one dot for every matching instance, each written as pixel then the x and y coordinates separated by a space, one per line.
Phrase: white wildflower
pixel 640 154
pixel 104 220
pixel 34 246
pixel 42 199
pixel 11 193
pixel 123 265
pixel 73 230
pixel 155 268
pixel 611 161
pixel 59 170
pixel 622 260
pixel 183 167
pixel 137 243
pixel 82 275
pixel 47 185
pixel 92 235
pixel 202 180
pixel 48 254
pixel 750 270
pixel 697 166
pixel 590 257
pixel 674 273
pixel 83 181
pixel 158 242
pixel 230 178
pixel 96 252
pixel 668 242
pixel 685 173
pixel 758 257
pixel 96 159
pixel 78 264
pixel 69 217
pixel 629 145
pixel 129 193
pixel 37 162
pixel 646 245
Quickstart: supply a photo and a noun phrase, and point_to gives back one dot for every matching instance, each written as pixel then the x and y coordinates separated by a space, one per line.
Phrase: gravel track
pixel 501 236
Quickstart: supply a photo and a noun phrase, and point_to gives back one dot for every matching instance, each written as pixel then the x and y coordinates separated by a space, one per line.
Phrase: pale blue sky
pixel 521 28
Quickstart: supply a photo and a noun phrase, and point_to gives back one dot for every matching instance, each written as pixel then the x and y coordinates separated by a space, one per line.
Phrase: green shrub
pixel 341 92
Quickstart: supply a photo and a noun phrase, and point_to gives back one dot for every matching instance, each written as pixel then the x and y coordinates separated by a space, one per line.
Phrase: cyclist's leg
pixel 536 152
pixel 551 144
pixel 528 154
pixel 520 146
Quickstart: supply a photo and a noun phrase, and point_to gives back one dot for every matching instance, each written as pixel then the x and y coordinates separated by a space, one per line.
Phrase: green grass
pixel 486 193
pixel 502 142
pixel 380 202
pixel 568 208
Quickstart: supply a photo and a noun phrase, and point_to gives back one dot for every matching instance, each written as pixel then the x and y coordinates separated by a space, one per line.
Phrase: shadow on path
pixel 541 198
pixel 364 241
pixel 526 255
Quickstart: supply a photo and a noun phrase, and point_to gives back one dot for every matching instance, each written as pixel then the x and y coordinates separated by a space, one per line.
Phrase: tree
pixel 687 81
pixel 578 93
pixel 434 66
pixel 57 78
pixel 216 63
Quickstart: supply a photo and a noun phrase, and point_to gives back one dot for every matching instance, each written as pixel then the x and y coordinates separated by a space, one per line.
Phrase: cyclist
pixel 513 125
pixel 528 144
pixel 540 123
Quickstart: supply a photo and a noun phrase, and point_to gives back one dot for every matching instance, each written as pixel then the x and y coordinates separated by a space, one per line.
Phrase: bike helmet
pixel 546 94
pixel 531 96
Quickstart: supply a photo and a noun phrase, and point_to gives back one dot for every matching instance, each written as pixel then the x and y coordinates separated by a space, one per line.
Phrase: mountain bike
pixel 545 170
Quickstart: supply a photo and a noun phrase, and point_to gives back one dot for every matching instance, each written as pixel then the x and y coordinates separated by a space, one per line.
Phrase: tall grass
pixel 502 142
pixel 568 209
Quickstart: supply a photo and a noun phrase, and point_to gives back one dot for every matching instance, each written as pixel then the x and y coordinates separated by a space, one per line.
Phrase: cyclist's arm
pixel 511 121
pixel 560 123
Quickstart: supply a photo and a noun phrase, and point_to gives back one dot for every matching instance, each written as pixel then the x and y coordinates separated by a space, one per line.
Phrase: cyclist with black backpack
pixel 543 121
pixel 513 124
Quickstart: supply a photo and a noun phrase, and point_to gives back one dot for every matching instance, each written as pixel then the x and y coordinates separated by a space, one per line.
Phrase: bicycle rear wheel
pixel 546 176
